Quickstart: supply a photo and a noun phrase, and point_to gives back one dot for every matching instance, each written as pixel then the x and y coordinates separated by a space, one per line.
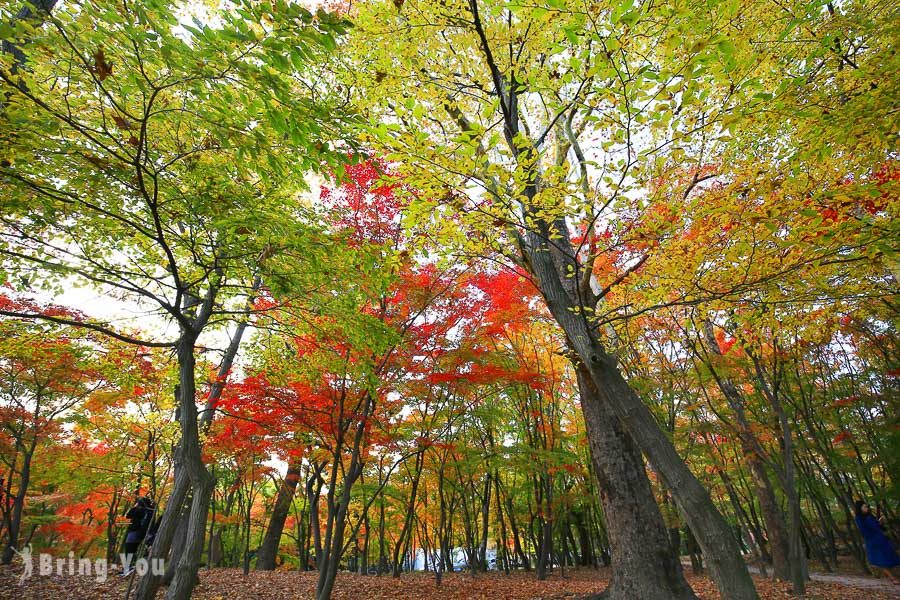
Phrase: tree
pixel 46 372
pixel 512 117
pixel 160 162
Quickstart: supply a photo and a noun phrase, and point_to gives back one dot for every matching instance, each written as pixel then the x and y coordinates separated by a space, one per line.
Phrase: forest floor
pixel 230 584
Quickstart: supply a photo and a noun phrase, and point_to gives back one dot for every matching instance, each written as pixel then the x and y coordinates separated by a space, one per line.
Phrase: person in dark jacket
pixel 141 517
pixel 879 549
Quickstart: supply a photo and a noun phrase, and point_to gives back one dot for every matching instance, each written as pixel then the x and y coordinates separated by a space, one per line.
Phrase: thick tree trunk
pixel 723 555
pixel 200 479
pixel 162 543
pixel 544 549
pixel 178 542
pixel 186 570
pixel 268 550
pixel 643 563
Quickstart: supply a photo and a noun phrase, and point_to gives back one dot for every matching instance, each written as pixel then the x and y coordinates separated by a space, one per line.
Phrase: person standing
pixel 879 549
pixel 141 517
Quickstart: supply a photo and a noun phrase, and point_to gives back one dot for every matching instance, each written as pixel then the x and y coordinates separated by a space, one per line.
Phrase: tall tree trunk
pixel 313 491
pixel 643 563
pixel 200 479
pixel 190 472
pixel 178 542
pixel 776 529
pixel 15 522
pixel 799 573
pixel 544 545
pixel 521 557
pixel 586 550
pixel 268 549
pixel 111 537
pixel 186 578
pixel 337 517
pixel 382 542
pixel 406 530
pixel 503 541
pixel 485 517
pixel 162 543
pixel 723 554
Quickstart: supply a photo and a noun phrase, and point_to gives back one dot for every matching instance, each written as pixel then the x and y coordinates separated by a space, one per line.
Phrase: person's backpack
pixel 147 519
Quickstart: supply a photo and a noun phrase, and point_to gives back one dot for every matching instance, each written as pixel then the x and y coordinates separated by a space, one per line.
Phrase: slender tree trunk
pixel 268 549
pixel 797 558
pixel 382 547
pixel 337 517
pixel 112 537
pixel 503 541
pixel 694 552
pixel 517 541
pixel 15 522
pixel 406 529
pixel 776 529
pixel 485 519
pixel 586 551
pixel 799 573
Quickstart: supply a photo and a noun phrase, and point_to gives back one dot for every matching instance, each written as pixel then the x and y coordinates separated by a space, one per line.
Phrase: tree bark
pixel 406 530
pixel 643 563
pixel 723 555
pixel 268 550
pixel 15 522
pixel 773 519
pixel 201 480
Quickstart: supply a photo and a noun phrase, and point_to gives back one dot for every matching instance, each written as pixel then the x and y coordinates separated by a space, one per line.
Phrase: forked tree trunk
pixel 190 471
pixel 643 563
pixel 715 537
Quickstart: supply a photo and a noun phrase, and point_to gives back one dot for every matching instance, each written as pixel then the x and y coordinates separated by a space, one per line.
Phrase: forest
pixel 449 299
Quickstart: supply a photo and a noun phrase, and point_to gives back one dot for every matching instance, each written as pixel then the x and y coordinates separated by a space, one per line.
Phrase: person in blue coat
pixel 879 549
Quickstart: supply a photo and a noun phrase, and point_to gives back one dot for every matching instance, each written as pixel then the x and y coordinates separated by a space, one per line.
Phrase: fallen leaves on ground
pixel 231 584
